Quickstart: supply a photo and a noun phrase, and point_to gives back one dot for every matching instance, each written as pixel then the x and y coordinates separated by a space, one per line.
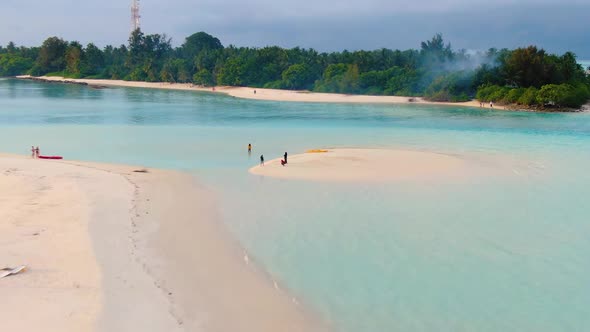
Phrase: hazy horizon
pixel 326 26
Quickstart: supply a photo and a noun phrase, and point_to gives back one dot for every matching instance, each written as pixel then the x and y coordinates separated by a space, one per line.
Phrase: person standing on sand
pixel 37 152
pixel 491 104
pixel 254 91
pixel 33 152
pixel 285 155
pixel 261 160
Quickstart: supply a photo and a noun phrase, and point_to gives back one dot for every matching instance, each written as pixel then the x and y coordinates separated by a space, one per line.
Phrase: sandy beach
pixel 267 94
pixel 121 248
pixel 381 165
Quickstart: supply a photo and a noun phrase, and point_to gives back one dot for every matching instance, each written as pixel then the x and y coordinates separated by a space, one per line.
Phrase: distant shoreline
pixel 261 93
pixel 302 96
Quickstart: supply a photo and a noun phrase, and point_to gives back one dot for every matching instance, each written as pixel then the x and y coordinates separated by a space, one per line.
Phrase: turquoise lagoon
pixel 488 254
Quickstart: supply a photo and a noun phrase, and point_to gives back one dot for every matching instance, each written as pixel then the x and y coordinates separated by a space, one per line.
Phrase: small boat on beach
pixel 51 157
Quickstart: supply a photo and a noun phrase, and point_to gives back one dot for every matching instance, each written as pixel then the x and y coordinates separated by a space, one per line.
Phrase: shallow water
pixel 486 254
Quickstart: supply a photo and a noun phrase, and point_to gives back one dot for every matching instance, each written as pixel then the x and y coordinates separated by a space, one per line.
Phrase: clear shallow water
pixel 508 254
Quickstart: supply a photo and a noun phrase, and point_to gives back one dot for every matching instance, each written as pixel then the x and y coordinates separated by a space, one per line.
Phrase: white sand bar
pixel 110 249
pixel 372 165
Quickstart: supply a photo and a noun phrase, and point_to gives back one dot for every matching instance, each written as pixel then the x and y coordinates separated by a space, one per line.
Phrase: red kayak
pixel 51 157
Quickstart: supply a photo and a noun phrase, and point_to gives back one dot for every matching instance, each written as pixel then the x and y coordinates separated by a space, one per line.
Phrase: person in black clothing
pixel 285 157
pixel 262 160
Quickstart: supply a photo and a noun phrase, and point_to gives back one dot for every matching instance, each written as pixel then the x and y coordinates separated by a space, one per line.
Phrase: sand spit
pixel 121 248
pixel 370 165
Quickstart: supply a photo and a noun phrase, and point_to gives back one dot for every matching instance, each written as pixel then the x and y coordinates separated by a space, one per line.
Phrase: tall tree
pixel 74 59
pixel 94 60
pixel 11 47
pixel 52 55
pixel 197 43
pixel 435 49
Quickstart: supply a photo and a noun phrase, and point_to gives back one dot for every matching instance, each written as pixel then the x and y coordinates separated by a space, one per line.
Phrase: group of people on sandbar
pixel 283 161
pixel 34 152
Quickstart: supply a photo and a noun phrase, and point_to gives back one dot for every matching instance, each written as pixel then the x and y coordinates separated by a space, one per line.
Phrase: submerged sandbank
pixel 264 94
pixel 121 248
pixel 370 165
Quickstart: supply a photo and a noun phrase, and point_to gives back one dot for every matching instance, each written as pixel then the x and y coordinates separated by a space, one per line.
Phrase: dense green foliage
pixel 533 78
pixel 525 76
pixel 549 95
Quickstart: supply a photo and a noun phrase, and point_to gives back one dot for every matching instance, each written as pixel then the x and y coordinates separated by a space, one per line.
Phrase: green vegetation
pixel 532 78
pixel 526 76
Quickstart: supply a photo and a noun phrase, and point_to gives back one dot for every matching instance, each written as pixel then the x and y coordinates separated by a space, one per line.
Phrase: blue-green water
pixel 488 254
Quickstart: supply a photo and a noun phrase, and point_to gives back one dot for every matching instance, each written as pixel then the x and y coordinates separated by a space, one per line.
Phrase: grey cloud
pixel 325 25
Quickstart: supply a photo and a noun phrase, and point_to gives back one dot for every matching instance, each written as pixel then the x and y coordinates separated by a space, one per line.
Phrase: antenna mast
pixel 135 15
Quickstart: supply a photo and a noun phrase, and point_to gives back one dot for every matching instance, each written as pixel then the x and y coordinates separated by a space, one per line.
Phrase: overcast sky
pixel 326 25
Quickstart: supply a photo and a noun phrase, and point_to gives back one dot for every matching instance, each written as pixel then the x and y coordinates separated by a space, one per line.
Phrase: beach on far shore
pixel 123 248
pixel 265 94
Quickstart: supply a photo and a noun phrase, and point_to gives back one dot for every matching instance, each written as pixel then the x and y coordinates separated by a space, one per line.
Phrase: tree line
pixel 526 76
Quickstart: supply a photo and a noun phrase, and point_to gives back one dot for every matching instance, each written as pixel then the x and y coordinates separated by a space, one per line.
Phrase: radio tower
pixel 135 15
